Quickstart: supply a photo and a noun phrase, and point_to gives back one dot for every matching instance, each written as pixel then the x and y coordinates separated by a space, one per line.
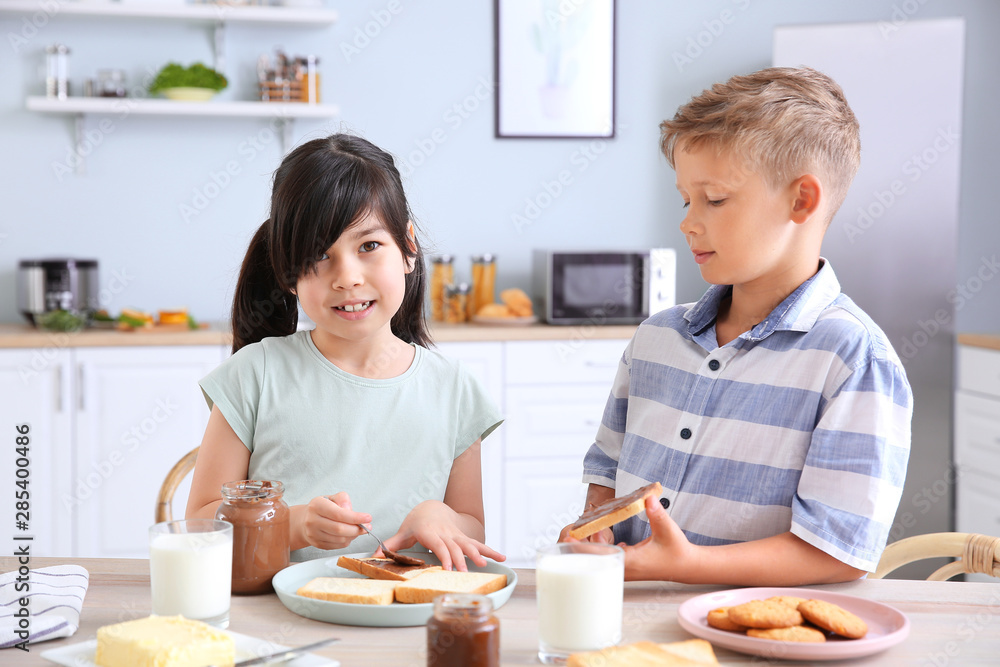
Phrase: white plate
pixel 886 626
pixel 82 654
pixel 394 615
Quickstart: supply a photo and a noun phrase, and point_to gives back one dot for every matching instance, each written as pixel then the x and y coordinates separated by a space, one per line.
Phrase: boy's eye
pixel 685 204
pixel 322 257
pixel 716 202
pixel 369 246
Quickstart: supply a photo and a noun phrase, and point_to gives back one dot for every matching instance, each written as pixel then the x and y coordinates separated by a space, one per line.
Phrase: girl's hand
pixel 436 526
pixel 664 554
pixel 330 523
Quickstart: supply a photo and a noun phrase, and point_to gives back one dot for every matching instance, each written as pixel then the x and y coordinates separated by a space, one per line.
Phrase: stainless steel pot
pixel 45 285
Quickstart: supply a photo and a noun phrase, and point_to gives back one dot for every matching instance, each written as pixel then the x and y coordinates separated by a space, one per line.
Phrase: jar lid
pixel 443 259
pixel 460 288
pixel 485 258
pixel 466 603
pixel 250 489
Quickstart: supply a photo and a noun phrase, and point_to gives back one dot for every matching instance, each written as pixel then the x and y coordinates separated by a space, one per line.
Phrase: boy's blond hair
pixel 782 122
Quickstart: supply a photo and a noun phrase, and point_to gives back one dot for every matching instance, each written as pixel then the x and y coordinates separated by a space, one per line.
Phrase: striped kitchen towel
pixel 54 596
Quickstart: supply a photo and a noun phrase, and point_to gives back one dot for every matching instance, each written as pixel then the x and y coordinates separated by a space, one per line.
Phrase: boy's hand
pixel 662 555
pixel 329 522
pixel 436 526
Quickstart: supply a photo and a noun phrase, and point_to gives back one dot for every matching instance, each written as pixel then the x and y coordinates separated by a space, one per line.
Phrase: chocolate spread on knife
pixel 612 505
pixel 261 532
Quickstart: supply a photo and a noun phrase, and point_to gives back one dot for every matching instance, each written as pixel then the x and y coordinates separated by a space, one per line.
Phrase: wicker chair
pixel 975 553
pixel 170 484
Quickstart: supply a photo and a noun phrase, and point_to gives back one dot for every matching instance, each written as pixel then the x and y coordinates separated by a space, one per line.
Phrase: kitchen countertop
pixel 990 341
pixel 26 336
pixel 952 622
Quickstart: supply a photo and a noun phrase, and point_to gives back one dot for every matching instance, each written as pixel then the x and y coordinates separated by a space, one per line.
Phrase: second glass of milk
pixel 580 588
pixel 190 569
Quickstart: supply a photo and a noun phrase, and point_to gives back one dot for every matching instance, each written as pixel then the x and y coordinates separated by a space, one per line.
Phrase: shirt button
pixel 685 433
pixel 714 364
pixel 665 502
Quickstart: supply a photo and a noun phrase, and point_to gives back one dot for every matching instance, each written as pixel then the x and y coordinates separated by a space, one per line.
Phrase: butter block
pixel 163 641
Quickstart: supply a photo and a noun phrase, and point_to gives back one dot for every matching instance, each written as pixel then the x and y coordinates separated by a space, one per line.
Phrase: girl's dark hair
pixel 320 189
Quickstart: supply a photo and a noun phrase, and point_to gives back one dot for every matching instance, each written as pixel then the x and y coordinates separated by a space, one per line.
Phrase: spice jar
pixel 484 277
pixel 261 538
pixel 57 71
pixel 110 83
pixel 463 632
pixel 442 273
pixel 456 297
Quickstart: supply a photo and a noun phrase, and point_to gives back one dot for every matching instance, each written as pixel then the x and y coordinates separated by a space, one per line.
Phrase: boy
pixel 773 411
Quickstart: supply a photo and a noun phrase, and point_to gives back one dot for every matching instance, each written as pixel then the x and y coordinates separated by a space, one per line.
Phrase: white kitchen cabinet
pixel 485 361
pixel 977 443
pixel 35 390
pixel 138 410
pixel 106 425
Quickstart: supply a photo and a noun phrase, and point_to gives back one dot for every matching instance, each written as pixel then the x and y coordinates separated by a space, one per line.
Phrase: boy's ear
pixel 807 193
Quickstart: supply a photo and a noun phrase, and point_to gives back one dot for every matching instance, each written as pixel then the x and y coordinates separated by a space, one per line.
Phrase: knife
pixel 286 654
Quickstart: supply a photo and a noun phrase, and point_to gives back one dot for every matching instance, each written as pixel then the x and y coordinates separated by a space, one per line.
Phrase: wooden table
pixel 953 623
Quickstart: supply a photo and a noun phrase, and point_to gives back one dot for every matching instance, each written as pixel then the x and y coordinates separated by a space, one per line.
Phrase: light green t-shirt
pixel 388 443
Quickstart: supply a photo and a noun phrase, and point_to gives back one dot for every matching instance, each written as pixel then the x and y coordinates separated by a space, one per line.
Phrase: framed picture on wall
pixel 555 68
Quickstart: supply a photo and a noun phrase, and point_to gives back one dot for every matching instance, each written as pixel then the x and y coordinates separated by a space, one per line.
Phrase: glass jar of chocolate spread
pixel 261 536
pixel 463 632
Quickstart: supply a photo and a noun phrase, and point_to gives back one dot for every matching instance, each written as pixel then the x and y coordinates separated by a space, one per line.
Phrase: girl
pixel 355 413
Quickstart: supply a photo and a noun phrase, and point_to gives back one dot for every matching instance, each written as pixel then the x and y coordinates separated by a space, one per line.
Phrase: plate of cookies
pixel 360 589
pixel 794 623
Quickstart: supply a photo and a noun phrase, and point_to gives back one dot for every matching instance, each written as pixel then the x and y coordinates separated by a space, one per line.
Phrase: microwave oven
pixel 604 286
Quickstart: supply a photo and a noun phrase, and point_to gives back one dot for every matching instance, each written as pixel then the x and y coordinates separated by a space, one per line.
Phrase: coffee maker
pixel 46 285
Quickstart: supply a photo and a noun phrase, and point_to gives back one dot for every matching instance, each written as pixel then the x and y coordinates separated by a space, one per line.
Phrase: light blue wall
pixel 397 91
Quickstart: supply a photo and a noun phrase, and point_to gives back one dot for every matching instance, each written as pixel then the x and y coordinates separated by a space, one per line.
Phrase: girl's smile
pixel 356 310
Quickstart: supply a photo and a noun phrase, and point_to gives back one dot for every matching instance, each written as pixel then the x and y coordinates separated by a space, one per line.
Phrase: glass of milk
pixel 580 588
pixel 190 569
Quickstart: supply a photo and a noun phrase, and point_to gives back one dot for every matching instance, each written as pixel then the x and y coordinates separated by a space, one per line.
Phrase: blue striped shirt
pixel 801 424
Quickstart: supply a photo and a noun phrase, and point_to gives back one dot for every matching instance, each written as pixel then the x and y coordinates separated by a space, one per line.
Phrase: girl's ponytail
pixel 261 307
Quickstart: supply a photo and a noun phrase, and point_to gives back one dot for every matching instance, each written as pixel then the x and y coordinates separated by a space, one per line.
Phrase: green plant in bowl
pixel 194 83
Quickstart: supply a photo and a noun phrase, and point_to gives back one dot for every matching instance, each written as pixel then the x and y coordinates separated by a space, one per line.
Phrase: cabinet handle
pixel 59 403
pixel 80 386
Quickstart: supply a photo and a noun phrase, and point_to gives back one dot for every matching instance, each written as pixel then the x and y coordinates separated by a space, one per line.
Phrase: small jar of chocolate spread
pixel 463 632
pixel 261 538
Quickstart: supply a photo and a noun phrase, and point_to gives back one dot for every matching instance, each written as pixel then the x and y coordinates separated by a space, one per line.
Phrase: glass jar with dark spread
pixel 463 632
pixel 261 535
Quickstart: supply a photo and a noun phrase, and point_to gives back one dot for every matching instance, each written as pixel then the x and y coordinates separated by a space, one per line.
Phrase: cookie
pixel 494 310
pixel 796 633
pixel 765 614
pixel 518 302
pixel 719 618
pixel 833 618
pixel 790 600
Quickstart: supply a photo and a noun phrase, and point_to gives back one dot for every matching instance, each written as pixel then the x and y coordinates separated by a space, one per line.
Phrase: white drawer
pixel 977 434
pixel 530 362
pixel 542 497
pixel 554 420
pixel 979 370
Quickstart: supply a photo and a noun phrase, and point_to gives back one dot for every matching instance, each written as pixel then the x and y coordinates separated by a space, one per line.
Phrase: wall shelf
pixel 208 13
pixel 284 114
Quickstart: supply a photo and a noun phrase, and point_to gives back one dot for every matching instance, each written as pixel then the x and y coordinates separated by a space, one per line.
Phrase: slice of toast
pixel 384 568
pixel 613 511
pixel 349 589
pixel 690 653
pixel 428 585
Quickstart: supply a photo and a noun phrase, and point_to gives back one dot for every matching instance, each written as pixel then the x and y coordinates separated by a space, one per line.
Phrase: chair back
pixel 173 479
pixel 976 553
